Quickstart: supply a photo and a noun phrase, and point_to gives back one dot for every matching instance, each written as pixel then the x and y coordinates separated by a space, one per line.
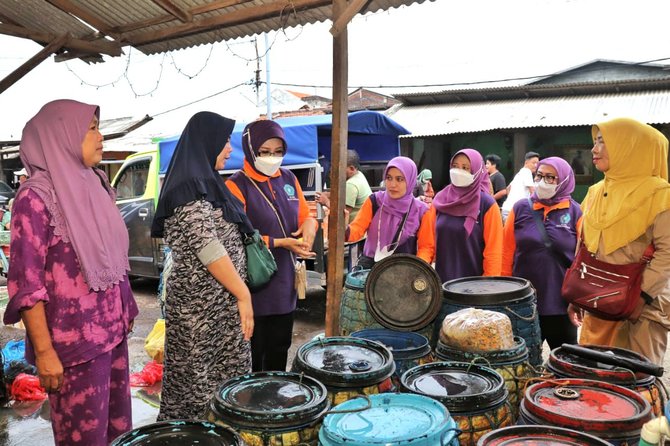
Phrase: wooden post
pixel 34 61
pixel 338 167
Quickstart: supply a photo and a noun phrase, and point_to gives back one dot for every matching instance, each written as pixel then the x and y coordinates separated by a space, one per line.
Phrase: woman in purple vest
pixel 540 237
pixel 392 217
pixel 276 206
pixel 462 231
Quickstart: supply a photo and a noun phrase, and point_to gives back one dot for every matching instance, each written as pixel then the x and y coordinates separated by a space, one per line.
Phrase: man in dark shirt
pixel 497 178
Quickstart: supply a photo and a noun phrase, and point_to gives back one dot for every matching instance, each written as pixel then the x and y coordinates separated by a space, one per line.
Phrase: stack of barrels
pixel 421 363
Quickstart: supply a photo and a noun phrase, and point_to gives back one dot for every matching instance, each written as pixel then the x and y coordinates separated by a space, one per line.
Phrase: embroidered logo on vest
pixel 290 191
pixel 565 219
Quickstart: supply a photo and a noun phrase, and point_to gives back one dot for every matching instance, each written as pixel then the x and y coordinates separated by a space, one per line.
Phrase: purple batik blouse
pixel 83 323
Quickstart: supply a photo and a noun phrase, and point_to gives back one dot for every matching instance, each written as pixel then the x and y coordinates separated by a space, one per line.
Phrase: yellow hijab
pixel 635 190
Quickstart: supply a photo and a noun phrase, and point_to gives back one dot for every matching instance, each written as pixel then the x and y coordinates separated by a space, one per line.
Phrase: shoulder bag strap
pixel 281 225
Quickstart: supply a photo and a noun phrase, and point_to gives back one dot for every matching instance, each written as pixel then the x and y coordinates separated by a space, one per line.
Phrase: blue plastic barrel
pixel 389 419
pixel 512 296
pixel 409 349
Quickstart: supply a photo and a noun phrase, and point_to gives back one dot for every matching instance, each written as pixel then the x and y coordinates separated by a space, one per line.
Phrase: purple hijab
pixel 566 181
pixel 255 134
pixel 464 201
pixel 79 198
pixel 391 211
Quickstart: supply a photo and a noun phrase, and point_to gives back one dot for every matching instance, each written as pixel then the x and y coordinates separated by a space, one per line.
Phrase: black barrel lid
pixel 479 290
pixel 345 361
pixel 270 400
pixel 568 365
pixel 459 386
pixel 403 292
pixel 180 432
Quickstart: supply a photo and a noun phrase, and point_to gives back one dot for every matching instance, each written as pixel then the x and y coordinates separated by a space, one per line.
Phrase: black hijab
pixel 191 175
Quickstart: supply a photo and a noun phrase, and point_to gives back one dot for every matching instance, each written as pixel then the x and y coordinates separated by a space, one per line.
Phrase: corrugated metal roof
pixel 148 27
pixel 445 119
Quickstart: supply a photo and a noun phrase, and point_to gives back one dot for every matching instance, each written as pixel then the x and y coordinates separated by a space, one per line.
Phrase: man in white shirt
pixel 522 186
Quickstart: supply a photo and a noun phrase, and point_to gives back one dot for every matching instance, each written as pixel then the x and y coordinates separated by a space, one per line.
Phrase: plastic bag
pixel 472 329
pixel 27 388
pixel 154 344
pixel 150 375
pixel 13 351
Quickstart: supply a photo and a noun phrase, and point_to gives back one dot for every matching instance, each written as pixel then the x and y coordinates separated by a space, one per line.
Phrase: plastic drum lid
pixel 392 419
pixel 403 344
pixel 271 399
pixel 462 388
pixel 573 366
pixel 345 361
pixel 474 291
pixel 539 435
pixel 403 293
pixel 577 403
pixel 170 433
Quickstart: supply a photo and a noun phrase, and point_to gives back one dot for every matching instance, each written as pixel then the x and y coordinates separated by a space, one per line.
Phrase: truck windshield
pixel 133 180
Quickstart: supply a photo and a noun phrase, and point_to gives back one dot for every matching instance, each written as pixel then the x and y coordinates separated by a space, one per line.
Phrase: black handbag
pixel 261 265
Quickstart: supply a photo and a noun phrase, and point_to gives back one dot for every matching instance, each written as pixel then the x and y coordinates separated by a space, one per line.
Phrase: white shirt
pixel 519 188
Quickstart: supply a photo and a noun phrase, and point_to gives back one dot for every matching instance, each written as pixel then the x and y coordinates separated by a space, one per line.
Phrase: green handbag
pixel 261 265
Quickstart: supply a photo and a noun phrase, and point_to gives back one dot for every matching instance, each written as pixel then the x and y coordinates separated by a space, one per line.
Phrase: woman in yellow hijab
pixel 623 214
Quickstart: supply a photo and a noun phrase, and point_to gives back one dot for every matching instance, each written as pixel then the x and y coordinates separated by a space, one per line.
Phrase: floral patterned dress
pixel 204 344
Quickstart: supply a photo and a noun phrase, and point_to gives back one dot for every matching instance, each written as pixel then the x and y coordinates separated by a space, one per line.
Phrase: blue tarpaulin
pixel 372 134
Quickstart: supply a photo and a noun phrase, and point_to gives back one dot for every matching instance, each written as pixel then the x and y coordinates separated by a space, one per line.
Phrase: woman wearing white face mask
pixel 540 237
pixel 276 206
pixel 462 232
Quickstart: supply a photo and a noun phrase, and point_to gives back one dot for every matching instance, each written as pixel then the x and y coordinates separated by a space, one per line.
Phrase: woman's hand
pixel 246 316
pixel 298 247
pixel 49 370
pixel 576 315
pixel 307 231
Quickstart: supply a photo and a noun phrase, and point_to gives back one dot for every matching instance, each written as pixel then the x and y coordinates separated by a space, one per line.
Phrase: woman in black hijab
pixel 209 317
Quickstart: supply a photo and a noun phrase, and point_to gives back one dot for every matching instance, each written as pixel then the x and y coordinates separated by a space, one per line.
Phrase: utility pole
pixel 268 84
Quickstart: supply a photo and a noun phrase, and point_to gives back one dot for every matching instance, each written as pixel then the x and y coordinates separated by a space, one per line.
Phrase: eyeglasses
pixel 549 179
pixel 267 153
pixel 262 151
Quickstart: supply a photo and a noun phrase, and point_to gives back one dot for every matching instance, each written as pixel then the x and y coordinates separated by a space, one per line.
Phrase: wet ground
pixel 27 424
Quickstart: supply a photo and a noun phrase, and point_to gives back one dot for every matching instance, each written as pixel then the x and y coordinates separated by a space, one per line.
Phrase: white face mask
pixel 461 178
pixel 545 191
pixel 268 164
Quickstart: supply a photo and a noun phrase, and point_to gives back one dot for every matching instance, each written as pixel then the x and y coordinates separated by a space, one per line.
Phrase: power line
pixel 202 99
pixel 453 84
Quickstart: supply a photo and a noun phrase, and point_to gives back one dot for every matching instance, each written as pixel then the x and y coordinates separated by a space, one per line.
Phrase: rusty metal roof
pixel 153 26
pixel 652 107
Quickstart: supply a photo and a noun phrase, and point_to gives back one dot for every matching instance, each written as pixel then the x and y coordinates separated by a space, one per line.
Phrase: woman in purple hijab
pixel 68 276
pixel 463 234
pixel 540 237
pixel 391 217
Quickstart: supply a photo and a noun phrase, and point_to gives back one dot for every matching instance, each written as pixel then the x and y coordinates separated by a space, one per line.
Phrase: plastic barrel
pixel 347 366
pixel 409 349
pixel 475 396
pixel 271 408
pixel 607 411
pixel 390 420
pixel 176 432
pixel 539 435
pixel 566 365
pixel 512 364
pixel 512 296
pixel 354 314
